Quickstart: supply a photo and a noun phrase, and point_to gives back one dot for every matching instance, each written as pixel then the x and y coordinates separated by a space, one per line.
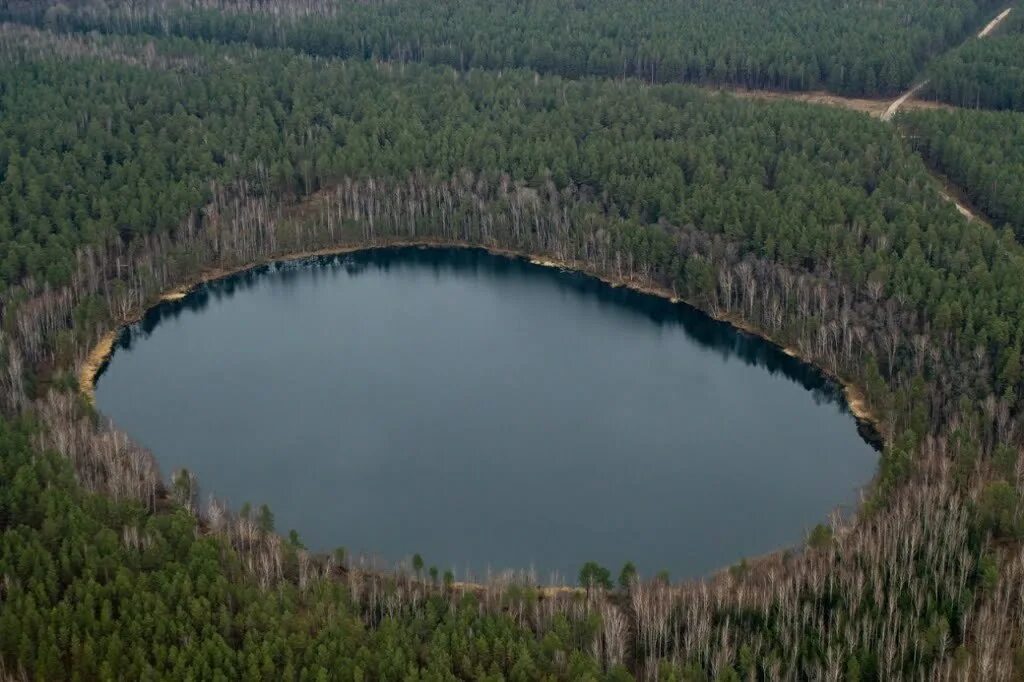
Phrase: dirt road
pixel 992 25
pixel 983 33
pixel 879 108
pixel 894 108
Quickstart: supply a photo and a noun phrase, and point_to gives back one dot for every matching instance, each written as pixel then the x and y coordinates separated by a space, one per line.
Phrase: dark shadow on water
pixel 727 341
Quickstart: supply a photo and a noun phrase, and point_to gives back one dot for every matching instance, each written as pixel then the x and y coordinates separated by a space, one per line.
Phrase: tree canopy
pixel 133 164
pixel 984 73
pixel 981 152
pixel 861 47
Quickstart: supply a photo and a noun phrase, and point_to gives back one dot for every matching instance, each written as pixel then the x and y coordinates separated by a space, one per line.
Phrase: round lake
pixel 486 413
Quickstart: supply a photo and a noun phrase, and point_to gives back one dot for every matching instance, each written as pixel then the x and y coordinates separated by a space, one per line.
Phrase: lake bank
pixel 202 370
pixel 99 354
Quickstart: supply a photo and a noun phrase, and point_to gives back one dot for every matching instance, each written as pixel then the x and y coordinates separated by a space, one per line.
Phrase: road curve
pixel 895 106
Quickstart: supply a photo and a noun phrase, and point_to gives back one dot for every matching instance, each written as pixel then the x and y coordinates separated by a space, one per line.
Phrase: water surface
pixel 486 412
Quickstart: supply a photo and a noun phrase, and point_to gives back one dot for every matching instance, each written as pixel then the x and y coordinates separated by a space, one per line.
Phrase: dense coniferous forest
pixel 100 589
pixel 985 74
pixel 980 151
pixel 133 164
pixel 860 47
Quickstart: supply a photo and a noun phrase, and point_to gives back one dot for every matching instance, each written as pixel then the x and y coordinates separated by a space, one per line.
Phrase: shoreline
pixel 101 351
pixel 869 425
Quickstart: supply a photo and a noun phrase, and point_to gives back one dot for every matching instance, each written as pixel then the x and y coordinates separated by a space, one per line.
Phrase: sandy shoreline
pixel 101 351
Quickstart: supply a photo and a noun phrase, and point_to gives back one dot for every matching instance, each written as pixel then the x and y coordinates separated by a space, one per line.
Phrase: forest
pixel 983 74
pixel 980 151
pixel 131 164
pixel 100 589
pixel 861 47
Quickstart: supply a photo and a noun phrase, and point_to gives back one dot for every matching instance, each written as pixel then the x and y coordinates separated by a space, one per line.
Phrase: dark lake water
pixel 486 412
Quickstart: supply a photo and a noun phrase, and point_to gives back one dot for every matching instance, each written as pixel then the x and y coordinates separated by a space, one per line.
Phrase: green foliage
pixel 985 73
pixel 740 570
pixel 988 572
pixel 678 183
pixel 858 47
pixel 294 540
pixel 983 153
pixel 265 519
pixel 93 155
pixel 852 672
pixel 627 575
pixel 1001 510
pixel 82 602
pixel 593 574
pixel 113 149
pixel 821 537
pixel 1004 461
pixel 284 122
pixel 896 465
